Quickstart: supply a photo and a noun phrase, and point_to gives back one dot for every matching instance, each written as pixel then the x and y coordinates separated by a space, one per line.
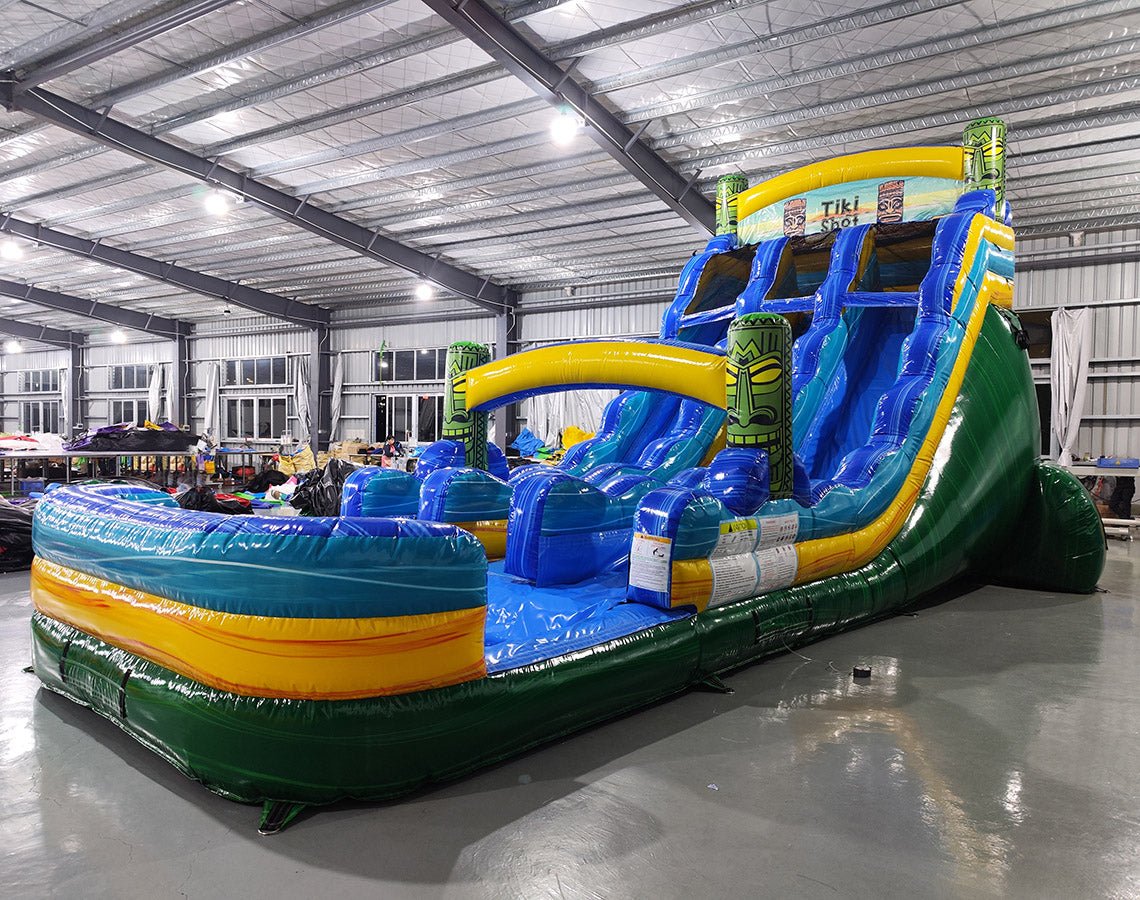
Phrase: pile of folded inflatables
pixel 15 535
pixel 126 438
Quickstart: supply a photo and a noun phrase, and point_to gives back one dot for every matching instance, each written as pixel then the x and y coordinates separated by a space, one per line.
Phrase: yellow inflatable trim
pixel 908 162
pixel 491 533
pixel 692 578
pixel 636 364
pixel 263 656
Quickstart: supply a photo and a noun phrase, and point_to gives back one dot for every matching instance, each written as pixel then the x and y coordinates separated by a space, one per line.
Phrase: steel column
pixel 178 388
pixel 320 388
pixel 74 412
pixel 506 342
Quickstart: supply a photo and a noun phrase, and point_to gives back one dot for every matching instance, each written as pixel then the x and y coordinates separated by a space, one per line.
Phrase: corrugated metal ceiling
pixel 381 113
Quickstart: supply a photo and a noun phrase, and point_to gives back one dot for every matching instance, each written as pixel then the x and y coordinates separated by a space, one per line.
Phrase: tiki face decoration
pixel 758 393
pixel 795 216
pixel 460 423
pixel 752 394
pixel 890 207
pixel 984 143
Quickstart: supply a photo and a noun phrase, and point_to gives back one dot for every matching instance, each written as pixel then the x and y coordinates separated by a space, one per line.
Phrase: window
pixel 133 411
pixel 130 378
pixel 416 418
pixel 256 418
pixel 39 415
pixel 40 381
pixel 1039 328
pixel 426 364
pixel 262 371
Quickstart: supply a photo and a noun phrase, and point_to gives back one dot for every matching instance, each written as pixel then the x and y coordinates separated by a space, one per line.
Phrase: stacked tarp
pixel 166 438
pixel 15 535
pixel 318 493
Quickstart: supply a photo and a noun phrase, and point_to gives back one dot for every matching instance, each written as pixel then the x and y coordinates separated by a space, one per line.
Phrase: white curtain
pixel 337 395
pixel 301 399
pixel 1069 375
pixel 154 395
pixel 168 395
pixel 549 414
pixel 212 405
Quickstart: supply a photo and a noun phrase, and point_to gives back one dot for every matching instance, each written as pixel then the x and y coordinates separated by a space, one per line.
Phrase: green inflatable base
pixel 288 752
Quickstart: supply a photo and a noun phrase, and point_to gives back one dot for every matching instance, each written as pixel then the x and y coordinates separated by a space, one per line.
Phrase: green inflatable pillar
pixel 758 389
pixel 460 423
pixel 984 143
pixel 727 187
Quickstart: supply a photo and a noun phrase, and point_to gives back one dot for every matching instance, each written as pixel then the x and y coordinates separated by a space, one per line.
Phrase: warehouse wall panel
pixel 1112 290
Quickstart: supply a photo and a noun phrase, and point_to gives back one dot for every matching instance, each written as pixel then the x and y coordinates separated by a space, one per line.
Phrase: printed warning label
pixel 734 577
pixel 776 530
pixel 736 536
pixel 778 567
pixel 650 557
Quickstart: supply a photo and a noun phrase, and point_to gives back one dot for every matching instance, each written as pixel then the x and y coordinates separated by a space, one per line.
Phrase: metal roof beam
pixel 963 40
pixel 45 334
pixel 90 51
pixel 1012 72
pixel 93 309
pixel 915 51
pixel 495 36
pixel 296 211
pixel 198 282
pixel 904 129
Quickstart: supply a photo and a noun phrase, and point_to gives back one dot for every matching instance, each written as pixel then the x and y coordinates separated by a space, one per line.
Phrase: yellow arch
pixel 908 162
pixel 631 364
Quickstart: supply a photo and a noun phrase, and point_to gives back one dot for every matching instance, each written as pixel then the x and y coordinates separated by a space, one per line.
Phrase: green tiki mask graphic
pixel 727 187
pixel 984 143
pixel 758 391
pixel 460 423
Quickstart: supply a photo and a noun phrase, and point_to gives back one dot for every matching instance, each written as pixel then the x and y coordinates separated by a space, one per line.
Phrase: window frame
pixel 138 404
pixel 427 365
pixel 235 371
pixel 248 417
pixel 43 408
pixel 32 381
pixel 119 372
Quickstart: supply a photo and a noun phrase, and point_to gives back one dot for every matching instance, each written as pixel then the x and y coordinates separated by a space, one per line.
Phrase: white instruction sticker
pixel 734 577
pixel 649 560
pixel 778 566
pixel 776 530
pixel 736 536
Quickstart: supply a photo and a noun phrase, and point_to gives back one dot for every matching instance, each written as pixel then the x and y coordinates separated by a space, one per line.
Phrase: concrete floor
pixel 996 751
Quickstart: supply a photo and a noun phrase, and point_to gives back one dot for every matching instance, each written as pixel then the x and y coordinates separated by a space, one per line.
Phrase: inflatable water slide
pixel 838 418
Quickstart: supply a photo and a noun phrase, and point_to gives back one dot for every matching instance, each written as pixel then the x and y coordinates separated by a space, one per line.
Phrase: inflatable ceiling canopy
pixel 838 417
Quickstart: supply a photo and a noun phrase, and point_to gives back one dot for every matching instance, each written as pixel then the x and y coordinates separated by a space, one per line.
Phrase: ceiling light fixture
pixel 119 336
pixel 565 127
pixel 11 251
pixel 217 203
pixel 13 347
pixel 424 291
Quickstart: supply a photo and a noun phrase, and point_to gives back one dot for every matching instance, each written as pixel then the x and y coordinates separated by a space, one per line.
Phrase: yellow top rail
pixel 907 162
